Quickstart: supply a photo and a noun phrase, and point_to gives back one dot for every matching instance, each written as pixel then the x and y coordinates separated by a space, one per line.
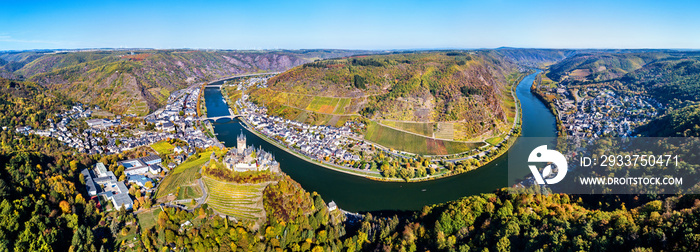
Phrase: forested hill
pixel 423 86
pixel 139 81
pixel 534 57
pixel 601 65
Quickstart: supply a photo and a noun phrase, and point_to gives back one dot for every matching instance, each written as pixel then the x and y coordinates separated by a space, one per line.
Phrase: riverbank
pixel 537 92
pixel 246 125
pixel 486 155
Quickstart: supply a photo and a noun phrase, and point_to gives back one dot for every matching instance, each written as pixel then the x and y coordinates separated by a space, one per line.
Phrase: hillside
pixel 534 57
pixel 25 103
pixel 445 96
pixel 137 82
pixel 600 66
pixel 665 75
pixel 668 79
pixel 682 122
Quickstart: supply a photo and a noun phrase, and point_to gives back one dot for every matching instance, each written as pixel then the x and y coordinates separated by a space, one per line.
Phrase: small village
pixel 177 120
pixel 603 112
pixel 321 142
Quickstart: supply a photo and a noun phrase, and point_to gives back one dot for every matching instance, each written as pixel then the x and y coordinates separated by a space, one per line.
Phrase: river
pixel 355 194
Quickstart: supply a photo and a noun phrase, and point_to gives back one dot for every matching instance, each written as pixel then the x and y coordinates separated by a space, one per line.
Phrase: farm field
pixel 425 129
pixel 163 147
pixel 342 104
pixel 445 130
pixel 508 106
pixel 242 201
pixel 399 140
pixel 139 108
pixel 325 105
pixel 459 147
pixel 183 176
pixel 494 140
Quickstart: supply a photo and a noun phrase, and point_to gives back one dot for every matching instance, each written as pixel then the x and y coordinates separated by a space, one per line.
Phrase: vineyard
pixel 183 178
pixel 242 201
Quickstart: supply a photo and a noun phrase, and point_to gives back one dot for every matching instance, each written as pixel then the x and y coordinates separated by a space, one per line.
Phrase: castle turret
pixel 240 147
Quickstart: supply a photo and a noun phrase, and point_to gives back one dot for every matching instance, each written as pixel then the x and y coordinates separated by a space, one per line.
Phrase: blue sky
pixel 349 24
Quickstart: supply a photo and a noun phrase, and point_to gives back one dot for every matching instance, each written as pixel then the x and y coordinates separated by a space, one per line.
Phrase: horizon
pixel 346 49
pixel 393 25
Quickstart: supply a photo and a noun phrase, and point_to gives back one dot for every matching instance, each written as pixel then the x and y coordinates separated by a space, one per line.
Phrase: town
pixel 323 143
pixel 177 120
pixel 600 111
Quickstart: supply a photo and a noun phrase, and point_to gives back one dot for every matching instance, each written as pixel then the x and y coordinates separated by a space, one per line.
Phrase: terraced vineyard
pixel 183 177
pixel 242 201
pixel 425 129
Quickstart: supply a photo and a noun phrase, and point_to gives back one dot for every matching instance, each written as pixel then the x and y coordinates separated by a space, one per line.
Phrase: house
pixel 167 126
pixel 139 180
pixel 155 169
pixel 332 206
pixel 151 159
pixel 122 200
pixel 112 190
pixel 90 185
pixel 100 169
pixel 134 166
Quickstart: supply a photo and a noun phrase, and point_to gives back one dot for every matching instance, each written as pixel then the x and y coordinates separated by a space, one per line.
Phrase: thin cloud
pixel 7 38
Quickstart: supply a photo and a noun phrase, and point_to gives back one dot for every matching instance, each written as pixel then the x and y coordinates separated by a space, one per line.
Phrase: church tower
pixel 240 147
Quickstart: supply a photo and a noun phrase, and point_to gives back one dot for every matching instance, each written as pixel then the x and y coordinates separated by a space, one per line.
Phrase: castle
pixel 247 158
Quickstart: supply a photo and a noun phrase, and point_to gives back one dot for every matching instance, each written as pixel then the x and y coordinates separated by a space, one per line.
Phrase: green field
pixel 148 219
pixel 163 147
pixel 494 140
pixel 445 130
pixel 402 141
pixel 425 129
pixel 396 139
pixel 459 147
pixel 340 109
pixel 183 176
pixel 323 104
pixel 243 201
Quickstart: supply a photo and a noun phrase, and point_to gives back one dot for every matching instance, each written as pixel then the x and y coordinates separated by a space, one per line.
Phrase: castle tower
pixel 240 147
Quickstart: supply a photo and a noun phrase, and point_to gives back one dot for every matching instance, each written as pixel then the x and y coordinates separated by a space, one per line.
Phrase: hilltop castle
pixel 247 158
pixel 240 146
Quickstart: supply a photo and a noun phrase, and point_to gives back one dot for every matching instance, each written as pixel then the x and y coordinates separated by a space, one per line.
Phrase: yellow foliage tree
pixel 61 185
pixel 79 199
pixel 65 206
